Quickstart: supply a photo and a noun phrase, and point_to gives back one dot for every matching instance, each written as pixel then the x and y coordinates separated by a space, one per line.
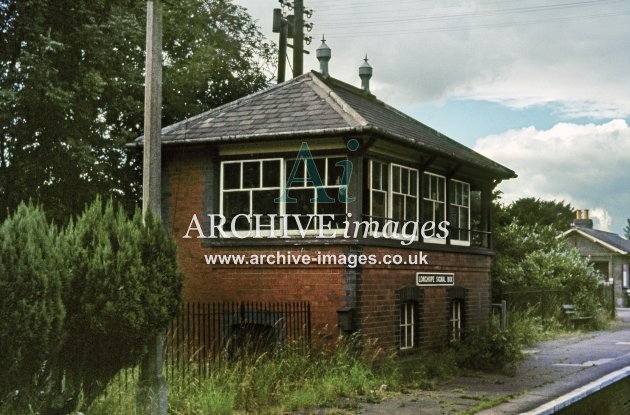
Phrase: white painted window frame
pixel 456 319
pixel 458 207
pixel 441 179
pixel 407 324
pixel 280 188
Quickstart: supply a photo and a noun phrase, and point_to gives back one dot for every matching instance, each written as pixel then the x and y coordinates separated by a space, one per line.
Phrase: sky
pixel 541 86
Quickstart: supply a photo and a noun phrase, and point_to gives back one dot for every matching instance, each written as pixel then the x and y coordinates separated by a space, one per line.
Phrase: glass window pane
pixel 396 179
pixel 251 174
pixel 427 211
pixel 453 192
pixel 263 202
pixel 454 217
pixel 463 218
pixel 337 208
pixel 271 173
pixel 410 208
pixel 232 175
pixel 426 186
pixel 379 206
pixel 376 175
pixel 335 173
pixel 404 186
pixel 299 174
pixel 465 194
pixel 319 175
pixel 398 207
pixel 413 183
pixel 384 177
pixel 235 203
pixel 303 206
pixel 439 212
pixel 463 223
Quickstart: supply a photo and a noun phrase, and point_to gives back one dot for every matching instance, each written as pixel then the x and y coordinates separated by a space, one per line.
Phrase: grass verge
pixel 267 383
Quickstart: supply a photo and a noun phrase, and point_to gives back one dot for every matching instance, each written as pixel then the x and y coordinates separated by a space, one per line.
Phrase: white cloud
pixel 520 54
pixel 585 165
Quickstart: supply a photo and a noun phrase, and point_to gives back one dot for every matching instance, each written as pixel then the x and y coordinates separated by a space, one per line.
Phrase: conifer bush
pixel 124 287
pixel 81 303
pixel 31 309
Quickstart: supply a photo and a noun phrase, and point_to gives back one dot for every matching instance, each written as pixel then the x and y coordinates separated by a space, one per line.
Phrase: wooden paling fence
pixel 209 332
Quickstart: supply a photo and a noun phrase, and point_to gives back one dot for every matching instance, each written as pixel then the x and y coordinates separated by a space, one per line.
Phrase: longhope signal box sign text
pixel 429 279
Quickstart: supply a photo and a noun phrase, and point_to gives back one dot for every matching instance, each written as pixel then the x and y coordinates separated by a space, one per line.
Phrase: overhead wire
pixel 400 24
pixel 473 26
pixel 358 20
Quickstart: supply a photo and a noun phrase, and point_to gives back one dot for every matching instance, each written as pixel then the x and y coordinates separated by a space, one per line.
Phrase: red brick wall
pixel 379 312
pixel 323 286
pixel 320 285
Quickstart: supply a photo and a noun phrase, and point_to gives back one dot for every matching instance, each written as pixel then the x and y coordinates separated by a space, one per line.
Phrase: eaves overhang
pixel 499 171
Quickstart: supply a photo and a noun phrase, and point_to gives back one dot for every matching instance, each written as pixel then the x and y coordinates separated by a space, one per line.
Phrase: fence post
pixel 503 309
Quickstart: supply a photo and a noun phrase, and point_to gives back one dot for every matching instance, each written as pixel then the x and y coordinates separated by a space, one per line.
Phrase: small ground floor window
pixel 456 320
pixel 407 324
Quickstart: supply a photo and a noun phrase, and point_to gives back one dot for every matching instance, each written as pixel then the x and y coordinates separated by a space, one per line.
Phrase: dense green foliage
pixel 531 211
pixel 533 268
pixel 86 299
pixel 30 304
pixel 490 349
pixel 72 90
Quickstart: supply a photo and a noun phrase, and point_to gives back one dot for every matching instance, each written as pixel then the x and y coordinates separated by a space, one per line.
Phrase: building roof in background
pixel 311 105
pixel 610 240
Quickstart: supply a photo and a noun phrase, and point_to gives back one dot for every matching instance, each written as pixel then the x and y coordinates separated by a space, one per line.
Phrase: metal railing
pixel 207 332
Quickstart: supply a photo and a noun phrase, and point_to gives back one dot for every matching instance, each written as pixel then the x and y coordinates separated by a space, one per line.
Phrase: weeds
pixel 291 379
pixel 267 383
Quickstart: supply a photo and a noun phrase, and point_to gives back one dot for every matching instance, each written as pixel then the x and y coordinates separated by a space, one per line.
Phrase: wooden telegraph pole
pixel 291 27
pixel 298 38
pixel 281 26
pixel 151 173
pixel 152 391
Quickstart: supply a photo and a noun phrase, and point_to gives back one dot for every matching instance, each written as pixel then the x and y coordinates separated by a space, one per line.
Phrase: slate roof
pixel 608 239
pixel 311 105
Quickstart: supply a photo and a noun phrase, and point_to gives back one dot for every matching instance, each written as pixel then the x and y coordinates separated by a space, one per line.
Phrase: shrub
pixel 30 304
pixel 526 327
pixel 124 287
pixel 489 349
pixel 79 304
pixel 531 259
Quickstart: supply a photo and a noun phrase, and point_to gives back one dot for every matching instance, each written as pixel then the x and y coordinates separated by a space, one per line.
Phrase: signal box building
pixel 259 155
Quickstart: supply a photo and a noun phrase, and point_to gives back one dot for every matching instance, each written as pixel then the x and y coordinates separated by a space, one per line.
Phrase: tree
pixel 71 90
pixel 534 211
pixel 626 230
pixel 531 260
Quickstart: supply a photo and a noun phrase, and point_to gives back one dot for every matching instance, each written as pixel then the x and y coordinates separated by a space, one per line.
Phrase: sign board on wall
pixel 435 279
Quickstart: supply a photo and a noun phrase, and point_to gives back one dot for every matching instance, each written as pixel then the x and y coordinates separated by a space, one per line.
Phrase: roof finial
pixel 365 73
pixel 323 54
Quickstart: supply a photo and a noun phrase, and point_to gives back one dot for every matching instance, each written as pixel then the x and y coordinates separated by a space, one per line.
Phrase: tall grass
pixel 273 382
